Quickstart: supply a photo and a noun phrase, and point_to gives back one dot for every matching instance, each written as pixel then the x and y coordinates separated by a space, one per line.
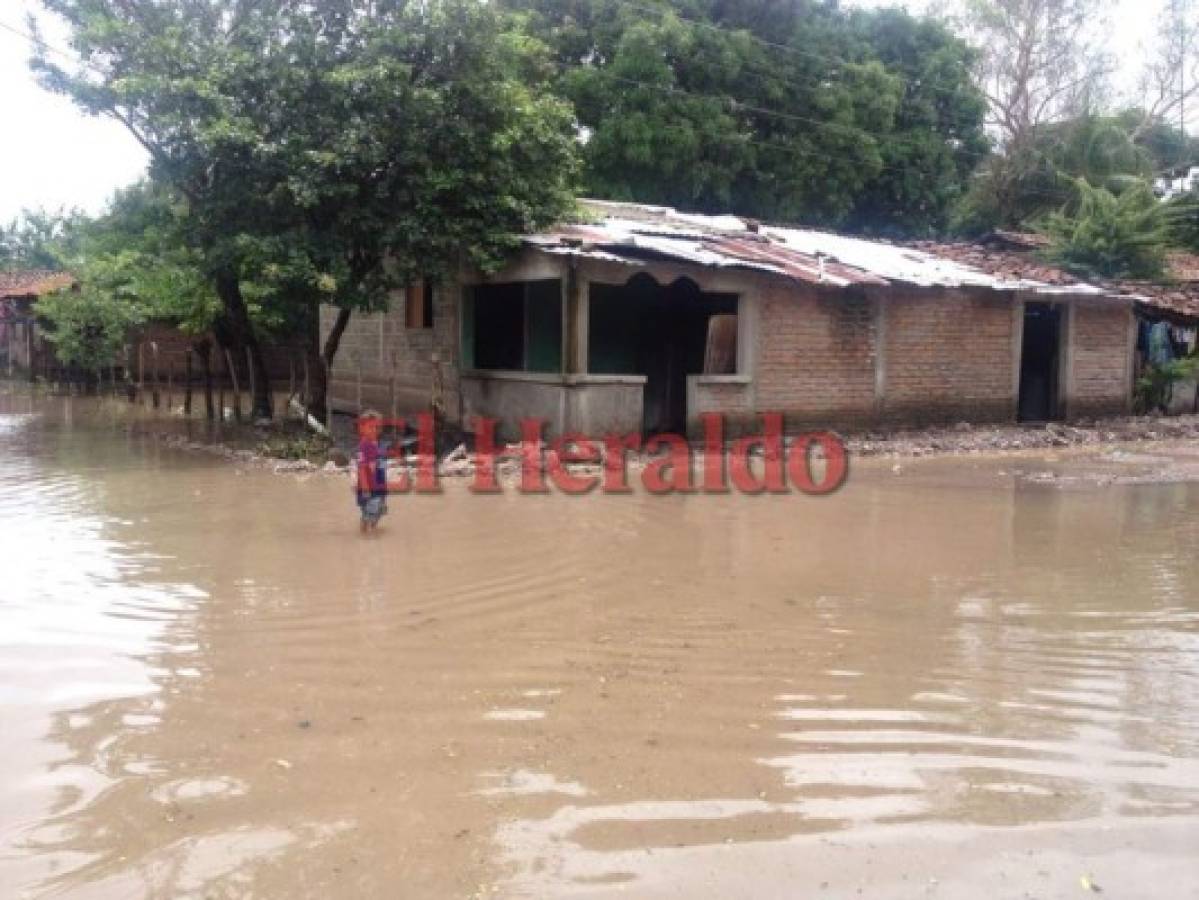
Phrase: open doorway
pixel 1040 361
pixel 659 331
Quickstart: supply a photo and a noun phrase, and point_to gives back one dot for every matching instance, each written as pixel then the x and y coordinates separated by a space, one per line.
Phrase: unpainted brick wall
pixel 815 355
pixel 1101 354
pixel 948 357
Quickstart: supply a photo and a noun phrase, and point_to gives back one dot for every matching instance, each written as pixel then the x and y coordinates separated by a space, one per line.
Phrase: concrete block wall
pixel 377 344
pixel 1102 336
pixel 948 356
pixel 728 396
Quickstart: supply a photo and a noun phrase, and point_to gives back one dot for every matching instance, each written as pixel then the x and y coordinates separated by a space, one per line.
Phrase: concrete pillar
pixel 575 315
pixel 1066 391
pixel 1017 351
pixel 880 356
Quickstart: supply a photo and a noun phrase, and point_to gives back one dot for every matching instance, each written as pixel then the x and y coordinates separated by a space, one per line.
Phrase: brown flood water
pixel 944 681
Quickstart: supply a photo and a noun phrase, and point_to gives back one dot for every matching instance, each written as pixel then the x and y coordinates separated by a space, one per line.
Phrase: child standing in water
pixel 371 487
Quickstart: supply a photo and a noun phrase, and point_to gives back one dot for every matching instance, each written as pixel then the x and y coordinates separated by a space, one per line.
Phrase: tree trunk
pixel 236 387
pixel 242 332
pixel 203 350
pixel 317 389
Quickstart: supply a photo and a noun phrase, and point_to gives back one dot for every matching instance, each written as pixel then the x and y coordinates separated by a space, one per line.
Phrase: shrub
pixel 1109 235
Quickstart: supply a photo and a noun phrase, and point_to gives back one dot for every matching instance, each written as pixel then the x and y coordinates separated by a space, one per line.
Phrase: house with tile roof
pixel 22 345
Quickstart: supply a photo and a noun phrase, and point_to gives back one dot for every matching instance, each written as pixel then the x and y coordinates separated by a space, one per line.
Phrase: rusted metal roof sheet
pixel 633 233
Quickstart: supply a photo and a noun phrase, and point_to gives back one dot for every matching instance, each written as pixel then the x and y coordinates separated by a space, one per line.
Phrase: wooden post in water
pixel 187 385
pixel 236 386
pixel 141 368
pixel 306 398
pixel 250 369
pixel 291 379
pixel 394 400
pixel 170 383
pixel 328 398
pixel 130 390
pixel 206 365
pixel 220 414
pixel 154 373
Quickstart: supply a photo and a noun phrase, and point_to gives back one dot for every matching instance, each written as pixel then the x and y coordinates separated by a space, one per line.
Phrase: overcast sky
pixel 51 155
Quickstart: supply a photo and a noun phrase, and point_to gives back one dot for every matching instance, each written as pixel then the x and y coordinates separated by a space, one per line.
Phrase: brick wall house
pixel 607 327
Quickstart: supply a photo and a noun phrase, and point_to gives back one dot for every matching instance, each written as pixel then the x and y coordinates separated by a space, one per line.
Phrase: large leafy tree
pixel 936 138
pixel 329 150
pixel 795 111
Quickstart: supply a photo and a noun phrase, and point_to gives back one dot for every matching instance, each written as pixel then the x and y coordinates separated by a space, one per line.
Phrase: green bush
pixel 1109 235
pixel 1154 387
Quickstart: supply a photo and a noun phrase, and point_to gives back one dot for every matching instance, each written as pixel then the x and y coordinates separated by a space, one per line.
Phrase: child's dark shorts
pixel 373 508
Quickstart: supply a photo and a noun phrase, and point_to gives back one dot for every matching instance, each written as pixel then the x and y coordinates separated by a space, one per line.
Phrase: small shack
pixel 642 319
pixel 22 345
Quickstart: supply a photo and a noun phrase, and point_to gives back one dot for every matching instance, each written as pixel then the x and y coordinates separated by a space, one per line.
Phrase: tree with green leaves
pixel 327 152
pixel 89 327
pixel 39 239
pixel 132 266
pixel 796 111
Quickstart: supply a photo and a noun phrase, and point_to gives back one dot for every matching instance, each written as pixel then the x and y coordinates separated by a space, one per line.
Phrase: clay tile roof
pixel 1008 254
pixel 33 283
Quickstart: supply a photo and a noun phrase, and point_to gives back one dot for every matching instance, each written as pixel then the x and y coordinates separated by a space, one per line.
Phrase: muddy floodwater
pixel 954 678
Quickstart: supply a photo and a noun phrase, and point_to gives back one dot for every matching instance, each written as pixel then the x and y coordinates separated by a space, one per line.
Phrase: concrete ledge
pixel 745 380
pixel 591 404
pixel 564 379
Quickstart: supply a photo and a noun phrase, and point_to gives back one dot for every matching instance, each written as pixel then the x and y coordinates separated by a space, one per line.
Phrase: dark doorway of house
pixel 1040 357
pixel 659 331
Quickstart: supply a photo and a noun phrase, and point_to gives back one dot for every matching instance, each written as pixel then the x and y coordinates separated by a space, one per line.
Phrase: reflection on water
pixel 212 687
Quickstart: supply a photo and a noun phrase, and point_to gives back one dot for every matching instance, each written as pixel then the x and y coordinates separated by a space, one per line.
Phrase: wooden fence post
pixel 154 374
pixel 250 370
pixel 328 401
pixel 187 386
pixel 304 361
pixel 220 386
pixel 394 400
pixel 130 389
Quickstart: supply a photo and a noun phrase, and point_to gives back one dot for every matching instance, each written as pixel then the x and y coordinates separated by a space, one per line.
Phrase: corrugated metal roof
pixel 632 233
pixel 33 283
